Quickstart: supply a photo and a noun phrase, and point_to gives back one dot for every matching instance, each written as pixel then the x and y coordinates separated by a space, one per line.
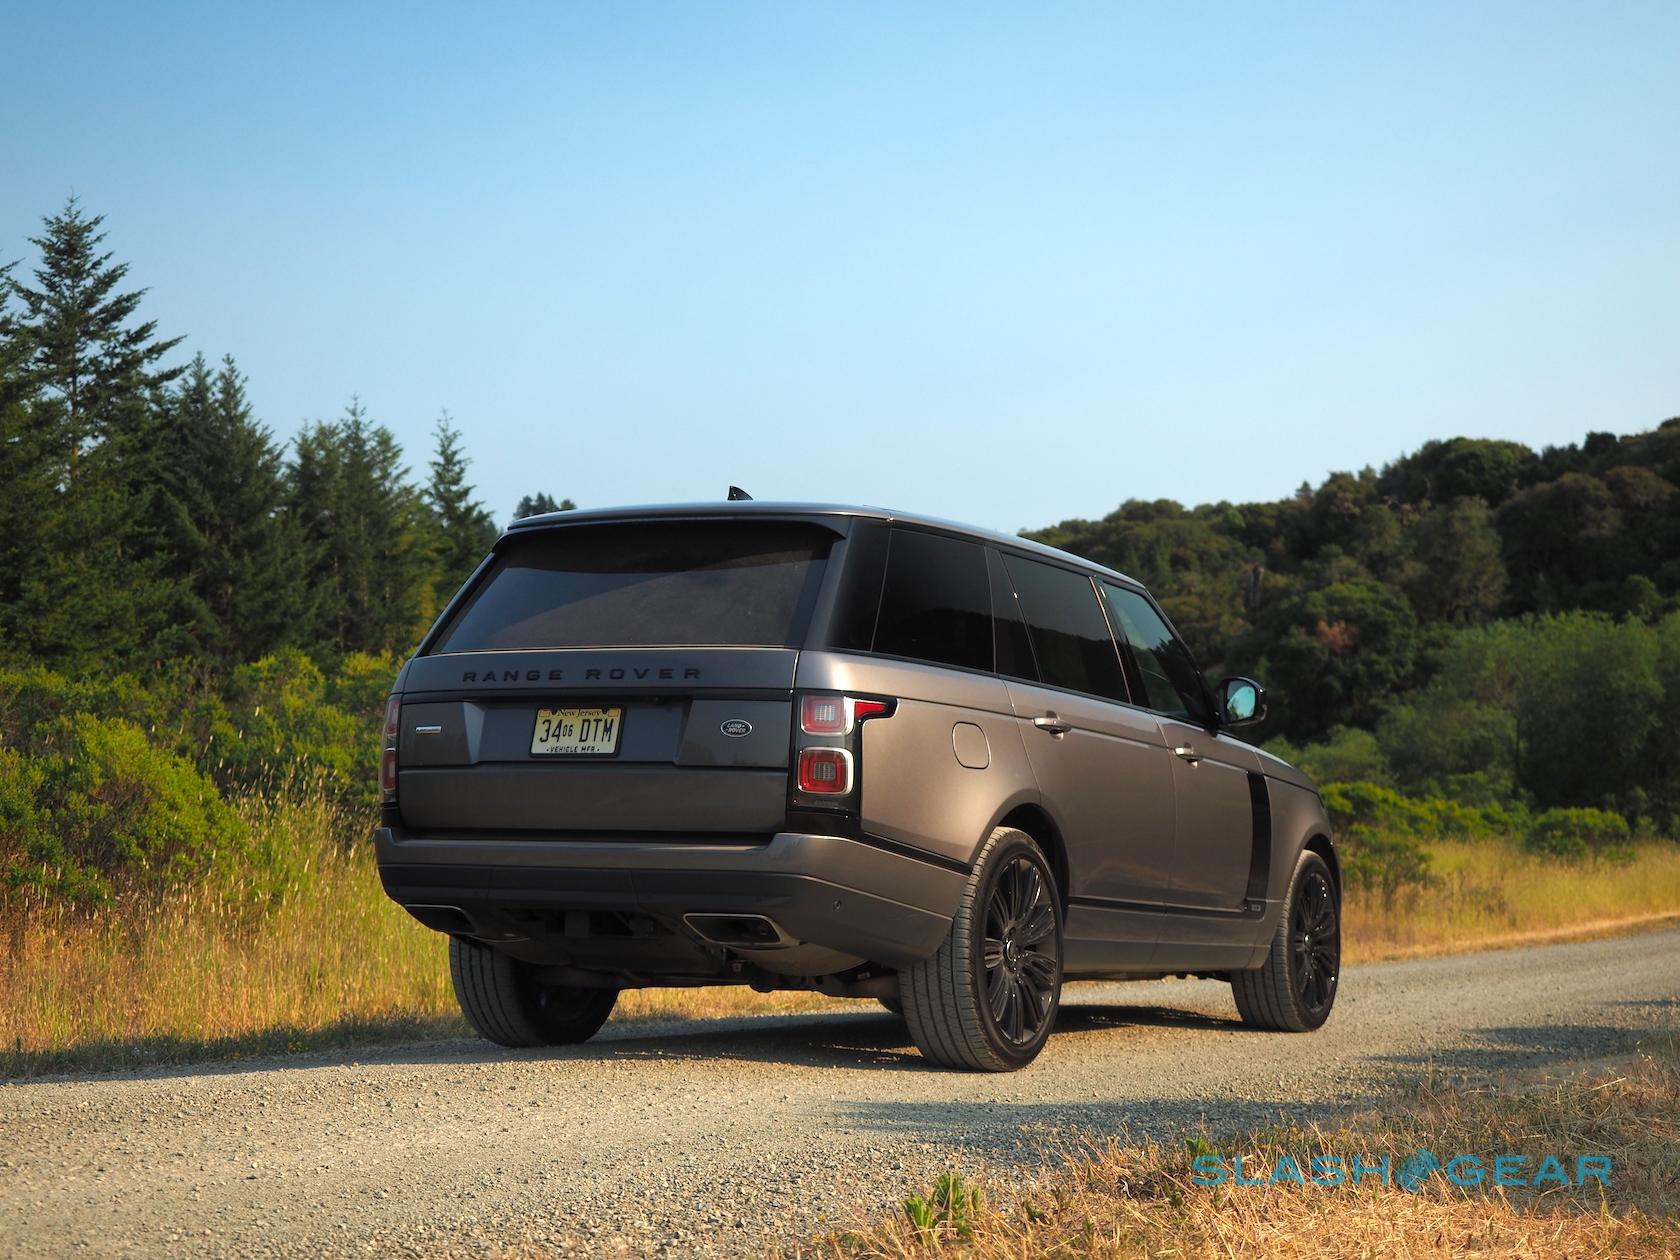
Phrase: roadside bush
pixel 1347 755
pixel 176 708
pixel 287 719
pixel 1437 817
pixel 1577 833
pixel 1374 807
pixel 1386 863
pixel 97 807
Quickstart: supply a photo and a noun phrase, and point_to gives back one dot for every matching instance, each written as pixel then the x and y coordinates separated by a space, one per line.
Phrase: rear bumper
pixel 830 892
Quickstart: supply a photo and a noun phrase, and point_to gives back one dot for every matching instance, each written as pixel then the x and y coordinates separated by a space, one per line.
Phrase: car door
pixel 1102 765
pixel 1215 835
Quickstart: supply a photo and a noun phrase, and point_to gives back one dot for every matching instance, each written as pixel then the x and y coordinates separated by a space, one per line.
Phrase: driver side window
pixel 1171 682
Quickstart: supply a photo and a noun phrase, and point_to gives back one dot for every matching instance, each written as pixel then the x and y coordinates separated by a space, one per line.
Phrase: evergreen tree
pixel 28 495
pixel 367 534
pixel 87 352
pixel 96 595
pixel 465 530
pixel 238 560
pixel 537 504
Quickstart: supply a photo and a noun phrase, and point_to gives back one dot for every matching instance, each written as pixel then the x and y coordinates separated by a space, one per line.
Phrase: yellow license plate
pixel 577 732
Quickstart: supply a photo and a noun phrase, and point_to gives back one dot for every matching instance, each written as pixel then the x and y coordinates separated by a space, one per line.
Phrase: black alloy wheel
pixel 1021 955
pixel 987 1000
pixel 1315 945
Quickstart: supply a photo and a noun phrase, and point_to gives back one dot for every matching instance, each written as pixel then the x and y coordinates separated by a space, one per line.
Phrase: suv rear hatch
pixel 620 677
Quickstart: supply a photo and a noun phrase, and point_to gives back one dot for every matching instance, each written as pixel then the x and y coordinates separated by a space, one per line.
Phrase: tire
pixel 503 1001
pixel 1296 987
pixel 893 1005
pixel 964 1013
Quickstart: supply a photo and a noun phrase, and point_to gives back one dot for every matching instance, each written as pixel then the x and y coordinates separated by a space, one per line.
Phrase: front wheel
pixel 1296 987
pixel 506 1003
pixel 987 1000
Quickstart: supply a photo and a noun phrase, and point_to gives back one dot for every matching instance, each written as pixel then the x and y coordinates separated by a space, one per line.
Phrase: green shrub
pixel 1437 817
pixel 1378 808
pixel 1577 833
pixel 175 707
pixel 1347 755
pixel 1384 862
pixel 98 807
pixel 287 720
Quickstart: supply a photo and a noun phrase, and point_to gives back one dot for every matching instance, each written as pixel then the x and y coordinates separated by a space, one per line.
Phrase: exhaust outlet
pixel 451 919
pixel 739 931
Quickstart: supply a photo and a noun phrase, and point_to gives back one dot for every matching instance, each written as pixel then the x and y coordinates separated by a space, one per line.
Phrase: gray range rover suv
pixel 845 750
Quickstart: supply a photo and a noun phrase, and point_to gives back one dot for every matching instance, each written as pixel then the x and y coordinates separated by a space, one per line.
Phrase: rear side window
pixel 936 603
pixel 1069 633
pixel 646 584
pixel 1014 651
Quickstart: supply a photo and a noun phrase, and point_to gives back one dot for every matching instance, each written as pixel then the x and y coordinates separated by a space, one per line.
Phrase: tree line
pixel 147 517
pixel 1476 619
pixel 1457 621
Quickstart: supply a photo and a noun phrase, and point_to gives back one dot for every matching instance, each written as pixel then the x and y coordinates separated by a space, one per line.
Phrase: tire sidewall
pixel 1010 845
pixel 1311 863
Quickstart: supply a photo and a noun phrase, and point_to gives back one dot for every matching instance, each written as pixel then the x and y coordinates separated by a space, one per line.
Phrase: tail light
pixel 825 771
pixel 388 758
pixel 838 715
pixel 828 745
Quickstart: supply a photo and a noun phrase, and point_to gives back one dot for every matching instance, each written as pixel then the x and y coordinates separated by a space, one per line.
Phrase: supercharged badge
pixel 736 728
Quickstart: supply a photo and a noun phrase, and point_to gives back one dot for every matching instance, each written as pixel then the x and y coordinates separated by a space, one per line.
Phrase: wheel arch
pixel 1321 844
pixel 1032 818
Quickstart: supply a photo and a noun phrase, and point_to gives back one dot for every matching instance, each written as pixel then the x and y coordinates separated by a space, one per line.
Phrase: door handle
pixel 1188 753
pixel 1050 722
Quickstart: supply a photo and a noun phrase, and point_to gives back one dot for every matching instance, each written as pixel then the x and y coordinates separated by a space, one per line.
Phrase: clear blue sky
pixel 1007 264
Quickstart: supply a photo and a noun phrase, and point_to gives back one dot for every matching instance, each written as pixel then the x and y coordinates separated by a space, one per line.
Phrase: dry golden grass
pixel 1489 893
pixel 1114 1198
pixel 327 960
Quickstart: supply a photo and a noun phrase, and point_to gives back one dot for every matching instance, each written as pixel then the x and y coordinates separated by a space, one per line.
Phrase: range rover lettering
pixel 845 750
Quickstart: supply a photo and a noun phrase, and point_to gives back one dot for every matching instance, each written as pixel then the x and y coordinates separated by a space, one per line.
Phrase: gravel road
pixel 702 1138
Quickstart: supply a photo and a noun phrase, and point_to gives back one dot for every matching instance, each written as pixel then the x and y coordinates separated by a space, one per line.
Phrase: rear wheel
pixel 1296 987
pixel 987 1000
pixel 503 1000
pixel 893 1005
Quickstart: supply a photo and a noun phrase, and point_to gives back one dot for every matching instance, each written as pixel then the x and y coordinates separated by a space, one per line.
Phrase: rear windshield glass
pixel 666 583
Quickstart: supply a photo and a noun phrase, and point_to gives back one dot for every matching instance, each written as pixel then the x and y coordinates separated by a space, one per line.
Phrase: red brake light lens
pixel 823 715
pixel 825 771
pixel 393 720
pixel 838 715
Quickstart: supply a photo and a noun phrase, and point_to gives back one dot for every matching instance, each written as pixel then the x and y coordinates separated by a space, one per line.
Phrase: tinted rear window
pixel 1069 633
pixel 936 604
pixel 665 583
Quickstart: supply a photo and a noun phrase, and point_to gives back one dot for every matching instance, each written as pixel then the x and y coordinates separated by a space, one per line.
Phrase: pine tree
pixel 368 535
pixel 466 531
pixel 238 560
pixel 537 504
pixel 86 351
pixel 94 594
pixel 28 493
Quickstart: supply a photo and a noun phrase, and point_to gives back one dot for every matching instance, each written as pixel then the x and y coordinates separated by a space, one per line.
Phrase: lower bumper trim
pixel 827 891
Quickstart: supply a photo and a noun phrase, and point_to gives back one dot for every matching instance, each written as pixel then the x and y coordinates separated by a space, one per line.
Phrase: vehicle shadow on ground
pixel 865 1038
pixel 1498 1049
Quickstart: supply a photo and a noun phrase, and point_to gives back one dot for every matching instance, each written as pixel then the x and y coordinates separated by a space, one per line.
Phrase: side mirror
pixel 1242 702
